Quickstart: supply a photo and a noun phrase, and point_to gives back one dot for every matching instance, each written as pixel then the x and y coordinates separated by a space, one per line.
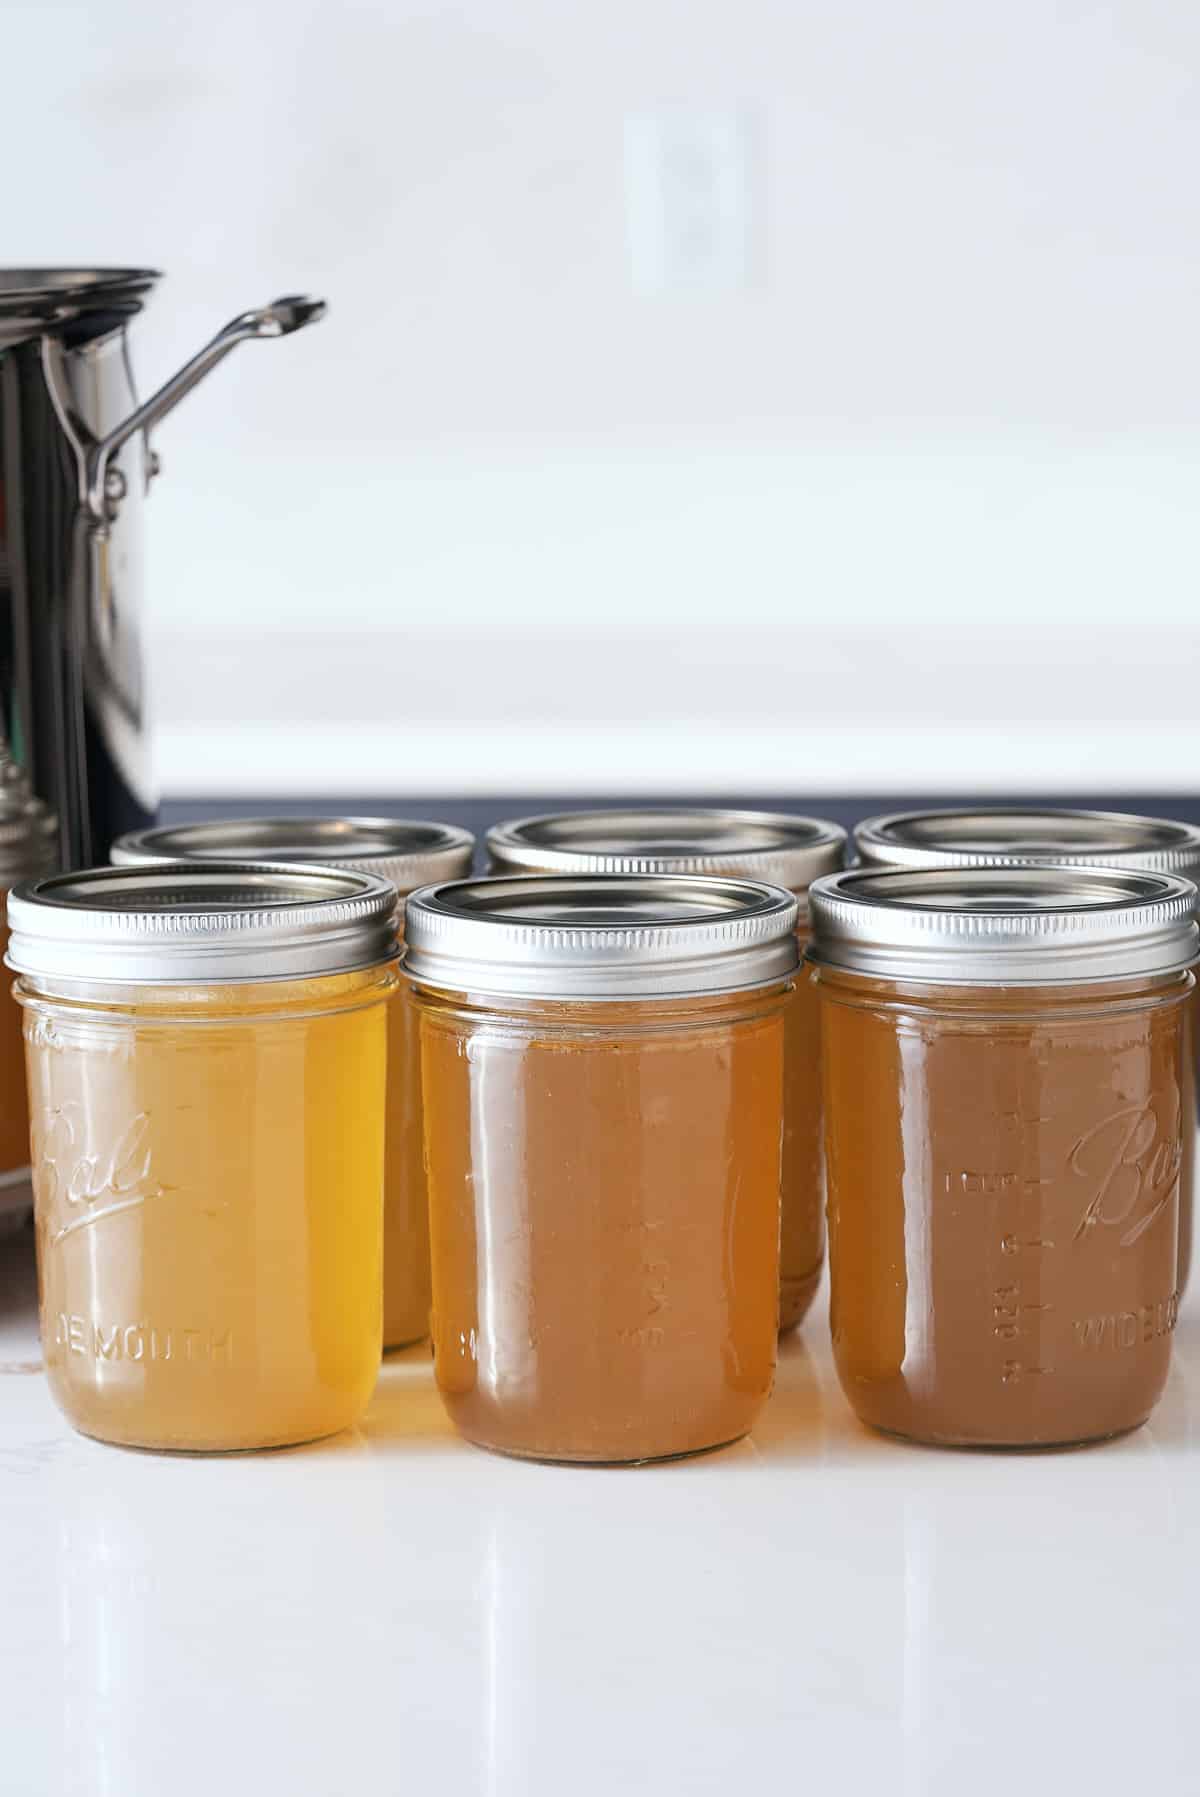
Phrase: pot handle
pixel 103 486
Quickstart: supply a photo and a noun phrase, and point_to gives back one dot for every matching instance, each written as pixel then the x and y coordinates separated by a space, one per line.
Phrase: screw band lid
pixel 196 923
pixel 601 936
pixel 1018 926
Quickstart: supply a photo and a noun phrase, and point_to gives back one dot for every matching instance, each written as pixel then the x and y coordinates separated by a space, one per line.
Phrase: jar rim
pixel 410 852
pixel 773 846
pixel 600 936
pixel 1013 834
pixel 200 923
pixel 1025 925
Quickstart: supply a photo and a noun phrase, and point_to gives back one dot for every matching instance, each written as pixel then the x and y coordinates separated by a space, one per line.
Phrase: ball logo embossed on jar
pixel 82 1184
pixel 1134 1169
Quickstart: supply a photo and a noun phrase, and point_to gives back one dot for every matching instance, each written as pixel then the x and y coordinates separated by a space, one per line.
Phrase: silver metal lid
pixel 37 299
pixel 615 936
pixel 28 830
pixel 1004 926
pixel 404 850
pixel 189 923
pixel 998 835
pixel 754 845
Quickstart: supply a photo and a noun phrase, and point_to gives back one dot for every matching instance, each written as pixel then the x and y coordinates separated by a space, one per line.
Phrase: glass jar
pixel 206 1051
pixel 409 853
pixel 28 843
pixel 603 1074
pixel 998 835
pixel 1009 1108
pixel 755 845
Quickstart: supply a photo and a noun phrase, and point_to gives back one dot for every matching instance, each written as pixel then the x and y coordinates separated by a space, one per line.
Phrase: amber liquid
pixel 604 1201
pixel 14 1104
pixel 406 1278
pixel 1005 1174
pixel 208 1181
pixel 802 1242
pixel 1187 1194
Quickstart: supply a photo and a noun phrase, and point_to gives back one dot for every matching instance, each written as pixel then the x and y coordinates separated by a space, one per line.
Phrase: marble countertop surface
pixel 394 1611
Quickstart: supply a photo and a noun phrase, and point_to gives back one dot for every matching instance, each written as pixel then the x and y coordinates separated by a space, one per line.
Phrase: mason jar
pixel 603 1077
pixel 409 853
pixel 28 845
pixel 206 1051
pixel 755 845
pixel 1009 1107
pixel 999 835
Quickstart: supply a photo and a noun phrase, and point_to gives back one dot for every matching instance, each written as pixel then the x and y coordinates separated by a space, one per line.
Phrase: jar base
pixel 796 1298
pixel 190 1452
pixel 974 1445
pixel 406 1341
pixel 613 1465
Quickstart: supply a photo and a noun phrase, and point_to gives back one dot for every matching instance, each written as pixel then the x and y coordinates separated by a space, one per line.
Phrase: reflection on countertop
pixel 19 1351
pixel 395 1608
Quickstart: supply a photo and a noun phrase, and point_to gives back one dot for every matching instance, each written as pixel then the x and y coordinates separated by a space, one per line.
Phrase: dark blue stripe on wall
pixel 477 814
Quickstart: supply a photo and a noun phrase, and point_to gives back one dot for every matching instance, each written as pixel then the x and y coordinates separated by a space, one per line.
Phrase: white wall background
pixel 775 395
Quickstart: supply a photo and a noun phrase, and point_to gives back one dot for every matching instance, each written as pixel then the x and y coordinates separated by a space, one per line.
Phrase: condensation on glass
pixel 206 1052
pixel 1009 1105
pixel 1001 835
pixel 603 1073
pixel 757 845
pixel 410 853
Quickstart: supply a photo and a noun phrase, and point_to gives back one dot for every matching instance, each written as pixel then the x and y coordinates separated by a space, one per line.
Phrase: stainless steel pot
pixel 75 465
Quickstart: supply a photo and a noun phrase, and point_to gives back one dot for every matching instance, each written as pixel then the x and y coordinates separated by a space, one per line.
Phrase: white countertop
pixel 394 1611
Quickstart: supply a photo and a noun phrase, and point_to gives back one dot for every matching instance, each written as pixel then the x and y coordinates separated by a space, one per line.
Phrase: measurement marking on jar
pixel 1016 1370
pixel 993 1185
pixel 982 1184
pixel 642 1338
pixel 656 1285
pixel 1011 1244
pixel 1007 1311
pixel 1009 1296
pixel 142 1340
